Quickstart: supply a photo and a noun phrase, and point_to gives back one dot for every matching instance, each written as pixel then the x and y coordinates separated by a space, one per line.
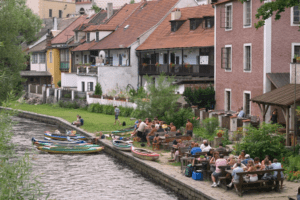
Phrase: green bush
pixel 203 98
pixel 263 141
pixel 67 96
pixel 179 118
pixel 59 83
pixel 68 104
pixel 208 128
pixel 98 89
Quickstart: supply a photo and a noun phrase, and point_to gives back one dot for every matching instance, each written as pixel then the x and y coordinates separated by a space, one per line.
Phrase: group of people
pixel 147 130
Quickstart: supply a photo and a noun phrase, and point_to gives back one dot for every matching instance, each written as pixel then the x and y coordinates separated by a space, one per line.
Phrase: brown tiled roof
pixel 279 79
pixel 143 17
pixel 85 46
pixel 163 38
pixel 66 34
pixel 39 47
pixel 101 17
pixel 115 20
pixel 222 1
pixel 283 96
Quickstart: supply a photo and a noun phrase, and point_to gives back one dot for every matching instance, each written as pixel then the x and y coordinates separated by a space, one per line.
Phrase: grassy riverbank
pixel 93 122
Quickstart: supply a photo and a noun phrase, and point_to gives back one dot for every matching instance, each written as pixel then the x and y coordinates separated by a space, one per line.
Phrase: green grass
pixel 93 122
pixel 175 163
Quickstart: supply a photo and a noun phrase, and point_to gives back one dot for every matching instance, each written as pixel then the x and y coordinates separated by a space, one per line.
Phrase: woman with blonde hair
pixel 253 177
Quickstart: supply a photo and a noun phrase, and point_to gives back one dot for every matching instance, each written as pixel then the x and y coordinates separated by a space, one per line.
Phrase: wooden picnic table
pixel 184 161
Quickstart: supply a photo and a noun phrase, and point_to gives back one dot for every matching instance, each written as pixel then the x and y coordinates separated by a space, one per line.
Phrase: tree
pixel 161 98
pixel 18 24
pixel 203 98
pixel 269 8
pixel 132 2
pixel 98 89
pixel 96 8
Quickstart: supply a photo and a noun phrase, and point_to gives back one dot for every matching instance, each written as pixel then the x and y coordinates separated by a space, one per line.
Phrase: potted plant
pixel 157 65
pixel 220 133
pixel 298 59
pixel 144 64
pixel 172 65
pixel 202 158
pixel 295 58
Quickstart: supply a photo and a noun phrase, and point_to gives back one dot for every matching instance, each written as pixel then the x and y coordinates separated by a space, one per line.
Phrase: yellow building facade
pixel 52 8
pixel 53 64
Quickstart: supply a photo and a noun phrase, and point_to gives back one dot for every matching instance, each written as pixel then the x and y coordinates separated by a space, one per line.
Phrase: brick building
pixel 250 61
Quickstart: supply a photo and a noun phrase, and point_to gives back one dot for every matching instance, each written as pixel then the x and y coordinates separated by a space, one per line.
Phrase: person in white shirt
pixel 141 129
pixel 202 146
pixel 206 148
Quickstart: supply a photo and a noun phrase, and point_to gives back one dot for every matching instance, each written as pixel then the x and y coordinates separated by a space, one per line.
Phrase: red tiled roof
pixel 85 46
pixel 143 17
pixel 163 38
pixel 66 34
pixel 115 20
pixel 222 1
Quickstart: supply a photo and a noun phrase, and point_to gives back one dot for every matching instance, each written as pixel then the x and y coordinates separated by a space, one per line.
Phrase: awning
pixel 279 79
pixel 35 73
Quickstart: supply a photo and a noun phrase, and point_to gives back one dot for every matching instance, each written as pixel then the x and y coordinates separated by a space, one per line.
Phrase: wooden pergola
pixel 282 97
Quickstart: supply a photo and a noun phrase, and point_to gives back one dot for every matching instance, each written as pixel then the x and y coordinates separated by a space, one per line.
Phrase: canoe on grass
pixel 62 137
pixel 125 130
pixel 50 141
pixel 144 154
pixel 70 150
pixel 122 145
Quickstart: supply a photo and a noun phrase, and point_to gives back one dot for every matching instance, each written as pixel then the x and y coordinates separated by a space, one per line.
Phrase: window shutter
pixel 224 58
pixel 222 16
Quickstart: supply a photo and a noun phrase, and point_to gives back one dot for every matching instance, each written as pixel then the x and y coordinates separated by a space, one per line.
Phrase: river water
pixel 88 177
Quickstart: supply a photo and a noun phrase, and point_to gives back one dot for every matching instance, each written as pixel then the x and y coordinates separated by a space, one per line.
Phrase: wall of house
pixel 115 55
pixel 237 80
pixel 283 35
pixel 116 3
pixel 53 67
pixel 78 58
pixel 86 79
pixel 88 56
pixel 86 7
pixel 38 67
pixel 34 5
pixel 56 5
pixel 103 34
pixel 68 80
pixel 186 3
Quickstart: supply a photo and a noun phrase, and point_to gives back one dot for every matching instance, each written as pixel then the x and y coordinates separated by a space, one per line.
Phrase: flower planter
pixel 96 96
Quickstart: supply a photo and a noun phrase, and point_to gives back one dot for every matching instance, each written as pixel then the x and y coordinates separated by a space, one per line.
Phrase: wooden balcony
pixel 178 70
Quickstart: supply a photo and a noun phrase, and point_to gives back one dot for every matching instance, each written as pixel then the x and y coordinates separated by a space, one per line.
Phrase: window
pixel 247 103
pixel 50 57
pixel 34 58
pixel 247 57
pixel 50 12
pixel 296 50
pixel 226 59
pixel 64 55
pixel 88 37
pixel 76 36
pixel 247 13
pixel 209 22
pixel 227 99
pixel 177 60
pixel 90 87
pixel 194 23
pixel 175 25
pixel 85 59
pixel 60 13
pixel 296 14
pixel 97 36
pixel 166 58
pixel 42 58
pixel 82 86
pixel 228 17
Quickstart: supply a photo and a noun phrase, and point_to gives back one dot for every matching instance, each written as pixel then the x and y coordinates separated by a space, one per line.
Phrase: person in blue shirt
pixel 235 179
pixel 79 122
pixel 247 158
pixel 241 113
pixel 277 165
pixel 195 149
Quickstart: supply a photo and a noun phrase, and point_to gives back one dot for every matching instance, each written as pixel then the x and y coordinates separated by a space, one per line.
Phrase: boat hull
pixel 55 150
pixel 121 145
pixel 123 131
pixel 50 141
pixel 63 138
pixel 145 156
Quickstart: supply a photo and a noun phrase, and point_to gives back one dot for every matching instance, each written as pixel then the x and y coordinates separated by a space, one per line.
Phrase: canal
pixel 89 177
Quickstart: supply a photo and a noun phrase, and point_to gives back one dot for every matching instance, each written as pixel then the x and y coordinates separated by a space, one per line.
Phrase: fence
pixel 79 95
pixel 39 89
pixel 32 88
pixel 51 92
pixel 65 93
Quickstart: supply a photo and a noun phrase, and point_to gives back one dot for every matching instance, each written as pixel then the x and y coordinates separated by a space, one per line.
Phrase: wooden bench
pixel 182 151
pixel 260 184
pixel 182 137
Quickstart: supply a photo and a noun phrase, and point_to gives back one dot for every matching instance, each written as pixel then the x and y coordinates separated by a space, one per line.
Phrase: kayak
pixel 122 145
pixel 67 145
pixel 48 140
pixel 70 150
pixel 63 137
pixel 144 154
pixel 122 131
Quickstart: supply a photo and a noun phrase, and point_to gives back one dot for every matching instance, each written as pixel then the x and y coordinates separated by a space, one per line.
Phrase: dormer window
pixel 88 37
pixel 209 22
pixel 76 36
pixel 194 23
pixel 97 36
pixel 175 25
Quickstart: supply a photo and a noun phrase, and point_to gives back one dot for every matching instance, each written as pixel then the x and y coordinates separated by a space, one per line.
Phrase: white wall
pixel 115 55
pixel 92 36
pixel 103 34
pixel 116 3
pixel 86 79
pixel 86 8
pixel 180 89
pixel 78 58
pixel 68 80
pixel 88 57
pixel 110 102
pixel 38 67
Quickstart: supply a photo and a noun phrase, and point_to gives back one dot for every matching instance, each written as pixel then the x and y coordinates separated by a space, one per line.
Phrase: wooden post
pixel 168 63
pixel 287 114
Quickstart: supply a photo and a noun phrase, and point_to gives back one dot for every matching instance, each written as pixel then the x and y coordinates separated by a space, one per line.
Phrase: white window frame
pixel 226 46
pixel 292 17
pixel 226 5
pixel 40 60
pixel 244 58
pixel 244 101
pixel 225 100
pixel 244 15
pixel 293 50
pixel 50 57
pixel 36 60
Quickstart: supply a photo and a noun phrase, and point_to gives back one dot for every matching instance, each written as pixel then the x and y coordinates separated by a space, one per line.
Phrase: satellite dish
pixel 102 54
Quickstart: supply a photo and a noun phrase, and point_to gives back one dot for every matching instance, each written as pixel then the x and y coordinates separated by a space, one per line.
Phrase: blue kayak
pixel 59 142
pixel 63 137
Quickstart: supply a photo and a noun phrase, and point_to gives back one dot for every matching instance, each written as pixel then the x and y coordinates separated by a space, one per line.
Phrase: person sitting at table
pixel 172 127
pixel 195 149
pixel 214 158
pixel 263 161
pixel 202 146
pixel 239 161
pixel 267 166
pixel 207 148
pixel 178 133
pixel 251 168
pixel 210 154
pixel 277 165
pixel 257 164
pixel 242 155
pixel 179 144
pixel 221 148
pixel 160 129
pixel 231 160
pixel 219 162
pixel 151 135
pixel 247 159
pixel 156 141
pixel 236 178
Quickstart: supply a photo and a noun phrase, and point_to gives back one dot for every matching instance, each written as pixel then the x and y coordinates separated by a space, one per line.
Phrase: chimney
pixel 175 15
pixel 110 10
pixel 48 39
pixel 54 24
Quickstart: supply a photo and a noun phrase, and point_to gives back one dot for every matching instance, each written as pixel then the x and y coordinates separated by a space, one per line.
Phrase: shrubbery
pixel 109 109
pixel 59 83
pixel 68 104
pixel 98 89
pixel 209 128
pixel 203 98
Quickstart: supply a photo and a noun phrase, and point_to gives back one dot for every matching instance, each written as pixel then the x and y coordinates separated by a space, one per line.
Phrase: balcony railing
pixel 178 70
pixel 64 66
pixel 87 70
